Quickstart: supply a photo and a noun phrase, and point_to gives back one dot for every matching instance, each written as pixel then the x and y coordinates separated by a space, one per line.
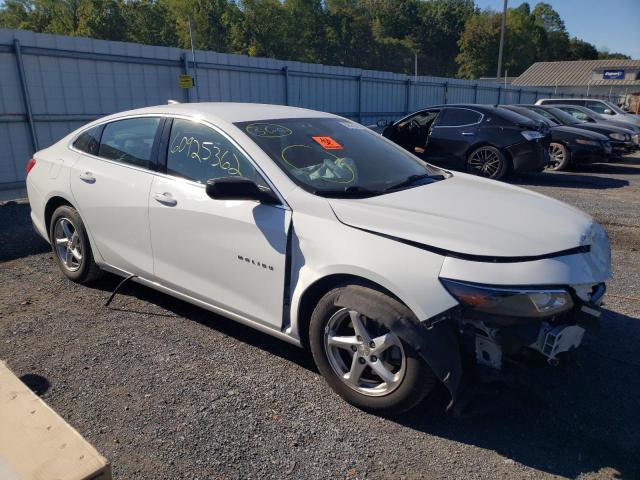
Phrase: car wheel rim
pixel 68 244
pixel 365 355
pixel 556 156
pixel 485 162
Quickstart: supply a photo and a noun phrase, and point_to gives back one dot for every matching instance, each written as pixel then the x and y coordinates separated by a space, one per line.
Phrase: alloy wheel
pixel 68 244
pixel 485 162
pixel 366 356
pixel 556 156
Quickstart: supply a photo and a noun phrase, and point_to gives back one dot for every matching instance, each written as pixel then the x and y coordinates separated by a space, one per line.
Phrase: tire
pixel 489 162
pixel 71 247
pixel 410 378
pixel 559 157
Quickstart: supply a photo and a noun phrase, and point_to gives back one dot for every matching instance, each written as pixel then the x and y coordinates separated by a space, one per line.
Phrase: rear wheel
pixel 489 162
pixel 71 246
pixel 559 157
pixel 363 361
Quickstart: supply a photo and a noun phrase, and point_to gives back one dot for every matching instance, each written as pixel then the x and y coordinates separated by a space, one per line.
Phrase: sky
pixel 610 24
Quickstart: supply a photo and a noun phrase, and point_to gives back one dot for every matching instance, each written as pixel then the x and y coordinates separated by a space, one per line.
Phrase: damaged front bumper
pixel 462 345
pixel 494 341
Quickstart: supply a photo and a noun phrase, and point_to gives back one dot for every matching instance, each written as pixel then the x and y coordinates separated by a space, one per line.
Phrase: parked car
pixel 620 138
pixel 569 146
pixel 485 140
pixel 314 229
pixel 602 107
pixel 586 115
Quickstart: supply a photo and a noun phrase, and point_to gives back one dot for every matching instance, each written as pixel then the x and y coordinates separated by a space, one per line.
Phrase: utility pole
pixel 193 59
pixel 502 30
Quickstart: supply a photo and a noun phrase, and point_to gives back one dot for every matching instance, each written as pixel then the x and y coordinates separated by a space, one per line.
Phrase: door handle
pixel 87 177
pixel 165 199
pixel 468 134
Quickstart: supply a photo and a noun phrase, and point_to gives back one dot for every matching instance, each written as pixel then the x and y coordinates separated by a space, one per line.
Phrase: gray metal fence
pixel 53 84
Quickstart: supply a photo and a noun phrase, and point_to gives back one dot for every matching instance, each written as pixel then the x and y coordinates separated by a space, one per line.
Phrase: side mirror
pixel 382 123
pixel 608 111
pixel 239 188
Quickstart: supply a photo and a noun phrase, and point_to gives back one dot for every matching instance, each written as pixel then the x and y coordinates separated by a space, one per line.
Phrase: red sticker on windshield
pixel 328 143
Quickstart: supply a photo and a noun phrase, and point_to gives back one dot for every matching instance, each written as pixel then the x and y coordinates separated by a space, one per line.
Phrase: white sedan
pixel 311 228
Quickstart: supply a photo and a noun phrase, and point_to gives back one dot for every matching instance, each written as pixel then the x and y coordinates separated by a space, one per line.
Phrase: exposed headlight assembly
pixel 618 136
pixel 511 302
pixel 584 141
pixel 531 134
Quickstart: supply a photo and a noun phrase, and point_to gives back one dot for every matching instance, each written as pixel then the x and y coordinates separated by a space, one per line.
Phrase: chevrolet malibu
pixel 397 275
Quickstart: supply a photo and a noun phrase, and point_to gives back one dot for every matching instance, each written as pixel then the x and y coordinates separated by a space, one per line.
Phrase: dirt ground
pixel 167 390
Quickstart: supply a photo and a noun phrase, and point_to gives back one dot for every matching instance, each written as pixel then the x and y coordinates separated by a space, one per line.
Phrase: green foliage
pixel 449 36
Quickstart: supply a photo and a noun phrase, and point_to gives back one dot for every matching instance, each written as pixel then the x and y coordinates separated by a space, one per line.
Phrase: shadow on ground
pixel 578 419
pixel 583 419
pixel 17 237
pixel 569 180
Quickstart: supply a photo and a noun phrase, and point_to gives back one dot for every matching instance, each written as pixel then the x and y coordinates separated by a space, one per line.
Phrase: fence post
pixel 520 96
pixel 185 70
pixel 25 94
pixel 475 93
pixel 285 72
pixel 407 96
pixel 446 92
pixel 499 95
pixel 359 98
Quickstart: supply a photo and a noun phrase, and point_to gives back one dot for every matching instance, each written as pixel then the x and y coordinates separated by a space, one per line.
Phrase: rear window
pixel 512 116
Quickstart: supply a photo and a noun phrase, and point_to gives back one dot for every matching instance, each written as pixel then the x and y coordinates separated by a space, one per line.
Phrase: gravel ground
pixel 166 390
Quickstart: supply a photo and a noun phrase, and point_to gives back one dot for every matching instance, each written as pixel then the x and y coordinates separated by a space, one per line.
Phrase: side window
pixel 456 117
pixel 199 153
pixel 596 107
pixel 129 141
pixel 89 140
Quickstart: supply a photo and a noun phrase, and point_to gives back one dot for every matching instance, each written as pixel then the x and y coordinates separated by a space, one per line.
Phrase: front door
pixel 452 134
pixel 111 183
pixel 230 254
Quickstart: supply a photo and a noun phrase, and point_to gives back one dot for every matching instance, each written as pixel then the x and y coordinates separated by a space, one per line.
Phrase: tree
pixel 479 45
pixel 149 22
pixel 581 50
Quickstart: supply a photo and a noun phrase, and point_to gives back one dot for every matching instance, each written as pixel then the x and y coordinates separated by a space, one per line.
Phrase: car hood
pixel 470 216
pixel 579 131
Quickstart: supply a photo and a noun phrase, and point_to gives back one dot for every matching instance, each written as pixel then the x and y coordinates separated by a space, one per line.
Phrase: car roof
pixel 230 112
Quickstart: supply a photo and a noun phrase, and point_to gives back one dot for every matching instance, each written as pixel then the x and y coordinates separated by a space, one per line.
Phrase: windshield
pixel 564 117
pixel 535 116
pixel 336 156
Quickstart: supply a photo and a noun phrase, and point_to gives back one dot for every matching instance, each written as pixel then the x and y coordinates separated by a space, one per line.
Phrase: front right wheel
pixel 363 361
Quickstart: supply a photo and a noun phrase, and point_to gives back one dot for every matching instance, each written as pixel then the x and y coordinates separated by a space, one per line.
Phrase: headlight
pixel 584 141
pixel 511 302
pixel 636 139
pixel 531 134
pixel 618 136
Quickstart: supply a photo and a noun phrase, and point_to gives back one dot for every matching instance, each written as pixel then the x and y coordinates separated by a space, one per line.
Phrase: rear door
pixel 454 131
pixel 110 182
pixel 228 253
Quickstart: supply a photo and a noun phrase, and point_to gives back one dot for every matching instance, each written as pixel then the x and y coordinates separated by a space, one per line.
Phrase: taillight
pixel 30 164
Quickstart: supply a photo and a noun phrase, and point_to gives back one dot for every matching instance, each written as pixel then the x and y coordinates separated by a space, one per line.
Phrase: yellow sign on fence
pixel 185 81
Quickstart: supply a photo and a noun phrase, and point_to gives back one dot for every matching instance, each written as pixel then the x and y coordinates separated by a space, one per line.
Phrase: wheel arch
pixel 52 204
pixel 320 287
pixel 58 200
pixel 484 143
